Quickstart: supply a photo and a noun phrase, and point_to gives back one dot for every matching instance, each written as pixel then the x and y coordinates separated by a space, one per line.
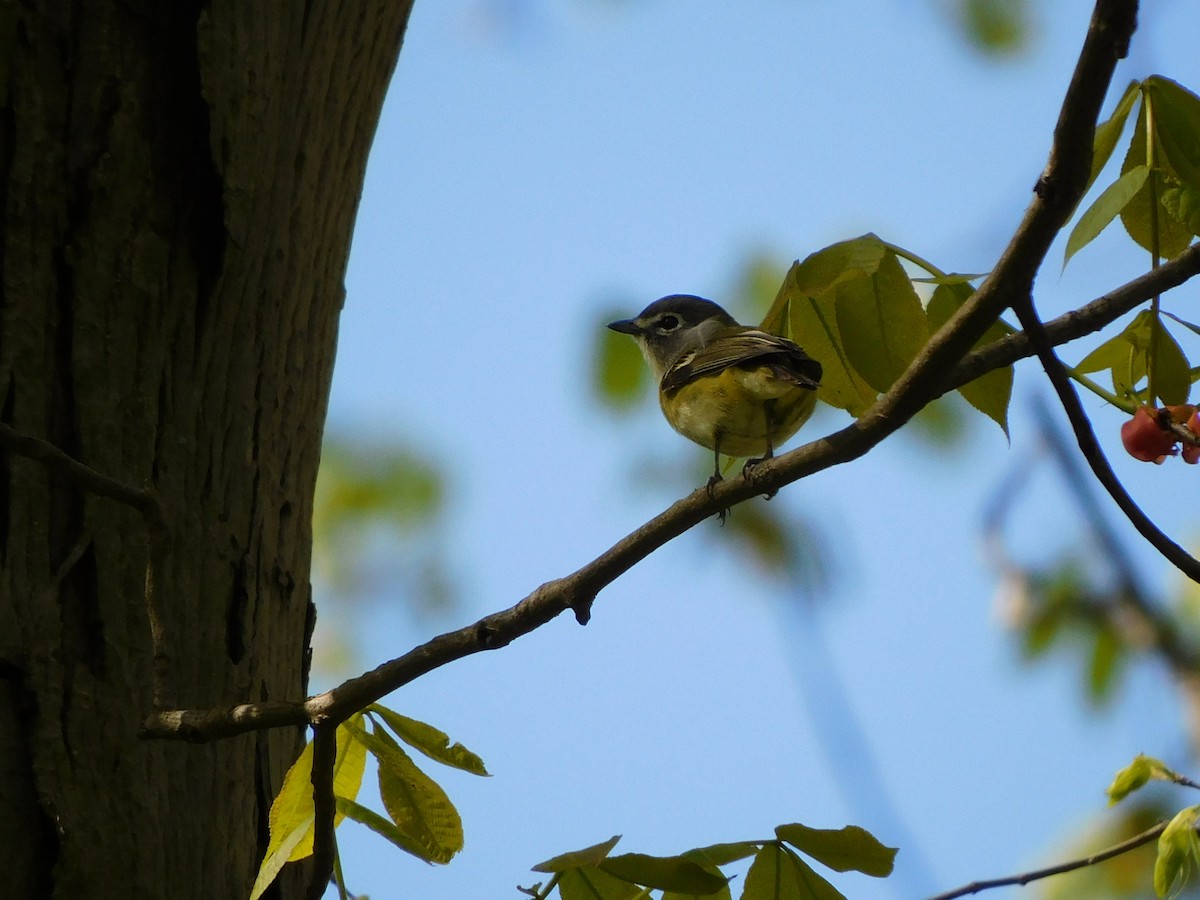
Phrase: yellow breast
pixel 740 407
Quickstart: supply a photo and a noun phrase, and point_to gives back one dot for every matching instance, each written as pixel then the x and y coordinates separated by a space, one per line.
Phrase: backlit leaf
pixel 1136 775
pixel 1178 854
pixel 590 883
pixel 1145 218
pixel 778 874
pixel 1172 373
pixel 429 740
pixel 1177 126
pixel 413 800
pixel 1183 202
pixel 1106 208
pixel 381 826
pixel 588 856
pixel 672 873
pixel 1109 131
pixel 842 849
pixel 820 272
pixel 810 319
pixel 991 392
pixel 882 322
pixel 292 816
pixel 723 854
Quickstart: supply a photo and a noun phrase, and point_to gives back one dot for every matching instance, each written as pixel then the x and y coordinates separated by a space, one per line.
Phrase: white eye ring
pixel 668 322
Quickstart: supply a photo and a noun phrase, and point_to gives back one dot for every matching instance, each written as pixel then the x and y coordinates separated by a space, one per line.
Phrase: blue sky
pixel 530 173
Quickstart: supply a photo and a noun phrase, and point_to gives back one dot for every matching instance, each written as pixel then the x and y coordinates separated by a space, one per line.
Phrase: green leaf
pixel 1177 126
pixel 778 874
pixel 1178 854
pixel 843 849
pixel 1129 355
pixel 588 856
pixel 381 826
pixel 415 802
pixel 805 310
pixel 1183 202
pixel 292 816
pixel 1135 775
pixel 991 392
pixel 722 893
pixel 1145 217
pixel 1106 208
pixel 1108 131
pixel 820 272
pixel 950 278
pixel 1172 372
pixel 429 740
pixel 590 883
pixel 882 323
pixel 723 854
pixel 672 873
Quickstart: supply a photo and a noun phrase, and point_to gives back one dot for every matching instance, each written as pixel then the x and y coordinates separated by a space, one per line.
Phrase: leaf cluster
pixel 420 819
pixel 1157 198
pixel 778 870
pixel 854 308
pixel 1178 859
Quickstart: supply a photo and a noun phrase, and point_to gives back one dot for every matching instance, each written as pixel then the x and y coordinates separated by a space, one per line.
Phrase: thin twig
pixel 1058 191
pixel 324 808
pixel 1125 846
pixel 1085 435
pixel 1088 319
pixel 55 459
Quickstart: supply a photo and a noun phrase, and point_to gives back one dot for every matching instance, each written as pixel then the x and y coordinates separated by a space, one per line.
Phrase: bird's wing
pixel 740 348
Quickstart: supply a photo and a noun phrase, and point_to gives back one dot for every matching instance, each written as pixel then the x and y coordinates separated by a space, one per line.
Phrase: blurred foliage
pixel 1062 608
pixel 994 27
pixel 1123 877
pixel 377 520
pixel 997 29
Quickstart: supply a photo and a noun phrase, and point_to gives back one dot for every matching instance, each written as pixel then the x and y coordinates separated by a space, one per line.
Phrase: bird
pixel 732 388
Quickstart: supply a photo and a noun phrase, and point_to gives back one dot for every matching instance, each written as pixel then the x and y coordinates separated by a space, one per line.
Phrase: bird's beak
pixel 626 326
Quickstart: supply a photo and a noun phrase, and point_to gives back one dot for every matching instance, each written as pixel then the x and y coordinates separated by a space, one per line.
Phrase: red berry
pixel 1145 439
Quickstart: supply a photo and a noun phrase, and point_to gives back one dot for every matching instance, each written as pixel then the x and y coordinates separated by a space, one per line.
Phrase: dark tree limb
pixel 66 466
pixel 1085 435
pixel 324 761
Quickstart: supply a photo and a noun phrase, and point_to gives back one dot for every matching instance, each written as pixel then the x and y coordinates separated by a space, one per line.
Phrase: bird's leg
pixel 716 475
pixel 748 469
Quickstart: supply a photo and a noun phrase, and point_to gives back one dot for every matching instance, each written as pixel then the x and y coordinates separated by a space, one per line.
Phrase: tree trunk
pixel 178 183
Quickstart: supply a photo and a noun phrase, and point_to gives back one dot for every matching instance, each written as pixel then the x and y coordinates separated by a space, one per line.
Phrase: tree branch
pixel 324 762
pixel 55 459
pixel 1125 846
pixel 1058 191
pixel 1085 435
pixel 1088 319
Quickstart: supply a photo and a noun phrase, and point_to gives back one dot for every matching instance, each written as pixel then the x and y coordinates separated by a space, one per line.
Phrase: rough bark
pixel 178 183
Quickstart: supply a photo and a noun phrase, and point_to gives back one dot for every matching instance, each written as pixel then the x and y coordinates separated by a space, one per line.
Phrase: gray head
pixel 672 325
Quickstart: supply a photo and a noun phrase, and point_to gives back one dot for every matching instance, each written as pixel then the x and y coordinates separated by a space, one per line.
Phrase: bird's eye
pixel 668 323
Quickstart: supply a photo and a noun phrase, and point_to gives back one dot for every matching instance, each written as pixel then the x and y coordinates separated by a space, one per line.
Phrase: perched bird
pixel 734 389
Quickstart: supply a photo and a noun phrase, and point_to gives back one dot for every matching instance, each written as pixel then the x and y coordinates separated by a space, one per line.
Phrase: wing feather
pixel 744 348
